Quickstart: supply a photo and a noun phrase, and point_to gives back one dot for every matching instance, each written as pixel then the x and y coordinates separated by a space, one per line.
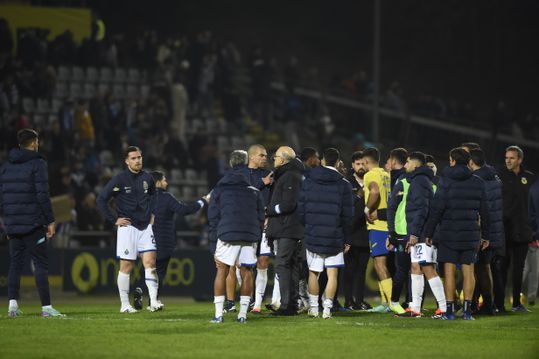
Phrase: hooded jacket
pixel 24 192
pixel 493 186
pixel 326 208
pixel 459 202
pixel 283 219
pixel 236 209
pixel 418 200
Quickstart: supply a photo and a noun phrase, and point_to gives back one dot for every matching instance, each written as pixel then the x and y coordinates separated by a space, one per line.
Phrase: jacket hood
pixel 457 172
pixel 422 171
pixel 324 175
pixel 235 176
pixel 488 173
pixel 295 165
pixel 21 155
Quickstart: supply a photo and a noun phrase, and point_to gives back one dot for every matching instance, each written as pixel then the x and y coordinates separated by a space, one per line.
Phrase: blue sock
pixel 450 307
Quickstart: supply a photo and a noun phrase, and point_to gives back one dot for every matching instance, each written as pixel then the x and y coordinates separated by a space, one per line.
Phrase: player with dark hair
pixel 459 201
pixel 26 208
pixel 165 207
pixel 377 188
pixel 484 257
pixel 132 190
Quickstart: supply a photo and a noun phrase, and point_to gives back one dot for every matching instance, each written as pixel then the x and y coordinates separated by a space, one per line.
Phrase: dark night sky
pixel 477 51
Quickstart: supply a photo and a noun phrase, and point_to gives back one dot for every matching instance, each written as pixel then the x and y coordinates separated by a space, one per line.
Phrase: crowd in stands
pixel 186 101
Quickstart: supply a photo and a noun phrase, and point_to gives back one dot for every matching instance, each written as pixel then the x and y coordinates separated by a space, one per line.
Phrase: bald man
pixel 284 226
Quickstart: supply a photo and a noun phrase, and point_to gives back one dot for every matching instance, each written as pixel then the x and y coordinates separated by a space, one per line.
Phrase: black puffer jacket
pixel 283 219
pixel 459 201
pixel 326 209
pixel 494 196
pixel 418 200
pixel 24 192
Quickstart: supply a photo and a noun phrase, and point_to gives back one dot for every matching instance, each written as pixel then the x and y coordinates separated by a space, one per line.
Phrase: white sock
pixel 152 282
pixel 260 286
pixel 394 304
pixel 244 306
pixel 328 304
pixel 123 289
pixel 418 285
pixel 238 276
pixel 13 304
pixel 276 295
pixel 219 303
pixel 46 307
pixel 313 301
pixel 437 288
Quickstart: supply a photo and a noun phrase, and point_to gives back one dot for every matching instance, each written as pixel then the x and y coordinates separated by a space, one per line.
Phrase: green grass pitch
pixel 95 329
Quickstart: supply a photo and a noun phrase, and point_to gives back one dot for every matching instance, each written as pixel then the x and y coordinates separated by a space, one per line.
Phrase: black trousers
pixel 35 243
pixel 355 270
pixel 161 268
pixel 402 275
pixel 287 264
pixel 516 254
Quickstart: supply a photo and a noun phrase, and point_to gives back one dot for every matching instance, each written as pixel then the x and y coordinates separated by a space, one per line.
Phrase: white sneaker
pixel 326 314
pixel 157 306
pixel 313 313
pixel 128 309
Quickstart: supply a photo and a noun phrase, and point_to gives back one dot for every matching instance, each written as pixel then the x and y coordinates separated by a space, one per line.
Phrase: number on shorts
pixel 418 251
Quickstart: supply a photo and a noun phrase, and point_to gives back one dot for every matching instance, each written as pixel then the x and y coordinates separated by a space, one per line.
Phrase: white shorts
pixel 130 242
pixel 229 253
pixel 265 249
pixel 424 254
pixel 317 262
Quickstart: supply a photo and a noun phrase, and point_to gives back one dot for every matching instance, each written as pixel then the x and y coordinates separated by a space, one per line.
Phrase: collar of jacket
pixel 294 165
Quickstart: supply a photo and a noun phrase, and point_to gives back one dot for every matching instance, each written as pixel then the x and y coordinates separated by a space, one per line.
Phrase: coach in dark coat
pixel 284 226
pixel 516 183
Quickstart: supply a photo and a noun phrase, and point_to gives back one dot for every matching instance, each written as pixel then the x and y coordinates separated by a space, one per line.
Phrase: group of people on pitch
pixel 304 215
pixel 312 218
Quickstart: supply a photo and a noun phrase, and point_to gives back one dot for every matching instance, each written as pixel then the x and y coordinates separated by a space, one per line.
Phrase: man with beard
pixel 357 258
pixel 132 190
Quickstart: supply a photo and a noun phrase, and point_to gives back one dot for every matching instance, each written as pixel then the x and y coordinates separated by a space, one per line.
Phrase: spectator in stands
pixel 88 216
pixel 84 124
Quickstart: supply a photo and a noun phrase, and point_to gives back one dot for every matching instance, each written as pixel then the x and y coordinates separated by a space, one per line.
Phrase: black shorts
pixel 456 256
pixel 485 257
